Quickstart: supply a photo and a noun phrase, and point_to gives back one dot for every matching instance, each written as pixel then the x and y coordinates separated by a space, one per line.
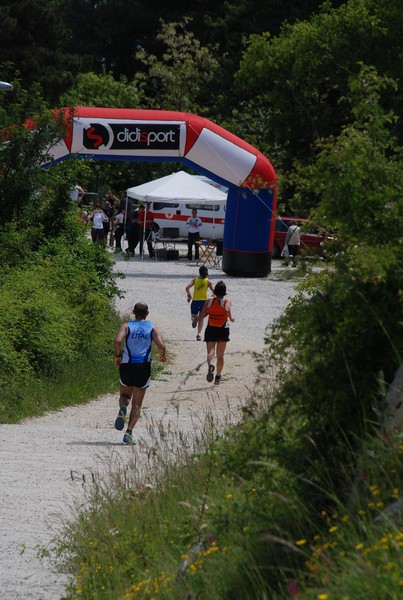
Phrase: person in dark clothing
pixel 119 228
pixel 147 227
pixel 132 232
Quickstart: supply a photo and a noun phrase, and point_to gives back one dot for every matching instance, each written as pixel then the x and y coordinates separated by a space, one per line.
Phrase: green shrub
pixel 41 327
pixel 55 314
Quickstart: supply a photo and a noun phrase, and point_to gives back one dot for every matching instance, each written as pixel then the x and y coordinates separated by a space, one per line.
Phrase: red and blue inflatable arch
pixel 159 135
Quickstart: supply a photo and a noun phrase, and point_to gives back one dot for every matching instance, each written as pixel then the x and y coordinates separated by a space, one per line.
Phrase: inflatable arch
pixel 158 135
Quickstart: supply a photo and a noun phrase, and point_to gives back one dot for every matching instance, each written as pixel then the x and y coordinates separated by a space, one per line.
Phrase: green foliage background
pixel 285 503
pixel 57 288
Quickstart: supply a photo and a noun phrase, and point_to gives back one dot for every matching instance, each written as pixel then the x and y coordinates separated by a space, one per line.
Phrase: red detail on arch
pixel 194 128
pixel 261 176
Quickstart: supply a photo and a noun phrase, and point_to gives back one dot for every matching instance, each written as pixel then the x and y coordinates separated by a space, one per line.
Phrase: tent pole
pixel 144 229
pixel 125 219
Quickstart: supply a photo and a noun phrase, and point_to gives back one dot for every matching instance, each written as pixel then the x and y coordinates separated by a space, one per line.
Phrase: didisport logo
pixel 141 136
pixel 95 136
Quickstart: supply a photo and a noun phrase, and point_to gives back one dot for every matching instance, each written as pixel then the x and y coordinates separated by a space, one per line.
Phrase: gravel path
pixel 46 460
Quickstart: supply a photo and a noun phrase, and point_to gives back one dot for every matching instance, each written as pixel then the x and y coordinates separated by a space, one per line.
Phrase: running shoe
pixel 210 375
pixel 120 419
pixel 217 380
pixel 195 320
pixel 198 337
pixel 129 439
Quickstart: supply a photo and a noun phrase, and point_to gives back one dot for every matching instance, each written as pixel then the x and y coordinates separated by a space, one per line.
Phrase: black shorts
pixel 135 374
pixel 216 334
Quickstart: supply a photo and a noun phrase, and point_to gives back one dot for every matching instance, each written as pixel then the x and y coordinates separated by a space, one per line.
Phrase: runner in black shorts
pixel 216 334
pixel 135 365
pixel 135 374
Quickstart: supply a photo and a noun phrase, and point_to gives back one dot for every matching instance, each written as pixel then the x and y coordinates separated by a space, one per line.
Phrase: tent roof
pixel 177 187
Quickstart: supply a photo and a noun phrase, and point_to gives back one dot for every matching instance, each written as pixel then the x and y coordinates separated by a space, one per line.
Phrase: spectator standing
pixel 111 198
pixel 293 241
pixel 134 364
pixel 119 228
pixel 98 218
pixel 216 334
pixel 194 223
pixel 146 221
pixel 110 225
pixel 132 232
pixel 77 194
pixel 200 286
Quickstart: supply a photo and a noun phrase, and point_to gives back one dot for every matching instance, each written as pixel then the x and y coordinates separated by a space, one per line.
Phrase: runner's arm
pixel 187 289
pixel 227 307
pixel 118 342
pixel 159 342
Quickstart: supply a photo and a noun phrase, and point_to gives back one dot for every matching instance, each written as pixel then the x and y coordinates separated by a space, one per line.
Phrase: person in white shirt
pixel 98 218
pixel 293 241
pixel 194 223
pixel 77 193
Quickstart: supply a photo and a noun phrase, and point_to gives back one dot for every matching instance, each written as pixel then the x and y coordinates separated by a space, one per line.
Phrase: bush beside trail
pixel 56 320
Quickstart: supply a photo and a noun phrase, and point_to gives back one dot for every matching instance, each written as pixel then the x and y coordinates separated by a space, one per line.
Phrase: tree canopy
pixel 301 76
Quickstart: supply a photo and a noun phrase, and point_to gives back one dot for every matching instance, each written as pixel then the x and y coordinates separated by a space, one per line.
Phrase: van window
pixel 161 205
pixel 209 207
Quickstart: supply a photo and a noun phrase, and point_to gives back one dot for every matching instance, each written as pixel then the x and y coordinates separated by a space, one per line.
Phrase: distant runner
pixel 216 334
pixel 200 284
pixel 134 364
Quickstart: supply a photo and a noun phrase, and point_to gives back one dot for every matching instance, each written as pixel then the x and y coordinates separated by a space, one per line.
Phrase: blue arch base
pixel 248 222
pixel 248 218
pixel 138 134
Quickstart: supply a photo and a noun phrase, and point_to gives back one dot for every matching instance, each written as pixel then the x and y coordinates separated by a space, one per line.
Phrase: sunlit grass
pixel 195 515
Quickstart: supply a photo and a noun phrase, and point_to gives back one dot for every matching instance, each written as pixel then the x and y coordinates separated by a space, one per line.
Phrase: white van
pixel 172 219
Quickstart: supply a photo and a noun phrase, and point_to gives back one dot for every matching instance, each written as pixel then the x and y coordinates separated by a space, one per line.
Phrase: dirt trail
pixel 45 460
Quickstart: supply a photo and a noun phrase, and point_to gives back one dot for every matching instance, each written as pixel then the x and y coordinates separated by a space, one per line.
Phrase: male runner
pixel 135 365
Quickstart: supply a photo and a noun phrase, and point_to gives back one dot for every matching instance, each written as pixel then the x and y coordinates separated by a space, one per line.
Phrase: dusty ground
pixel 46 460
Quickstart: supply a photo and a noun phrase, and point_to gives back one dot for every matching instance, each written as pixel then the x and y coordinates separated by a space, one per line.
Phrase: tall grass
pixel 75 384
pixel 194 517
pixel 30 394
pixel 173 522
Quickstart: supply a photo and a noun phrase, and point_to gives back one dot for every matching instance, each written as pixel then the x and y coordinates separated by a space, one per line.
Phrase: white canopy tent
pixel 175 188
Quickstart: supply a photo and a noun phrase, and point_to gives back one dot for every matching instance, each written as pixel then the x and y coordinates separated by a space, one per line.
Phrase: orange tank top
pixel 217 315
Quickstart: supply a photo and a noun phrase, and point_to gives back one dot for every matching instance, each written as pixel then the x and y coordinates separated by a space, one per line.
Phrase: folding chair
pixel 206 253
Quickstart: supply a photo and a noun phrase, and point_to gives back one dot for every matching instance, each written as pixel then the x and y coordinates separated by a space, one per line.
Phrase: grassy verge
pixel 74 384
pixel 203 521
pixel 152 537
